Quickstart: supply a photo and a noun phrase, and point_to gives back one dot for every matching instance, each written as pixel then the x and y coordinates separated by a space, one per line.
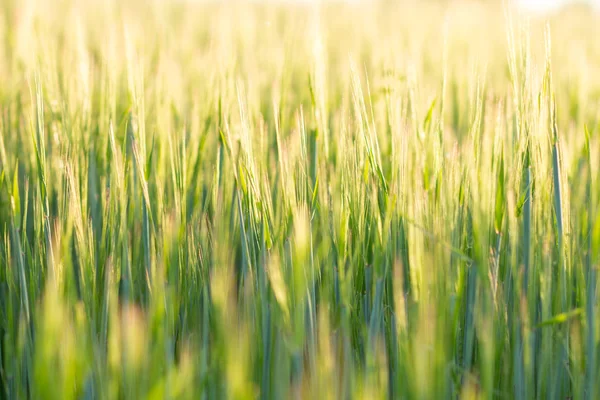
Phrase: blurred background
pixel 545 5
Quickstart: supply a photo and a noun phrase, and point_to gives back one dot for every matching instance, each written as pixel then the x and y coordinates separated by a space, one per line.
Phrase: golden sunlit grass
pixel 344 200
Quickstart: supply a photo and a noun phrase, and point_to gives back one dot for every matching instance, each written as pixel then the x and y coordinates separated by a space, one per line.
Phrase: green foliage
pixel 297 201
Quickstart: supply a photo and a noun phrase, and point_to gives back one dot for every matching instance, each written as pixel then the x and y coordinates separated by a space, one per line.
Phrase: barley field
pixel 273 200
